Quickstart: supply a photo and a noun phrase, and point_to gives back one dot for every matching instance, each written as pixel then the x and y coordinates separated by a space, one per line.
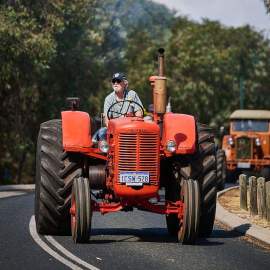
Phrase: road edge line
pixel 44 246
pixel 73 257
pixel 30 187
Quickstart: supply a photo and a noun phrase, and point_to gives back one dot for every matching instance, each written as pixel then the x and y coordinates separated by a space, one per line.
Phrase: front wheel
pixel 189 224
pixel 80 210
pixel 185 225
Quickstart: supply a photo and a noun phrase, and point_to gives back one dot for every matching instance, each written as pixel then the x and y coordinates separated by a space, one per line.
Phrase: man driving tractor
pixel 115 104
pixel 121 93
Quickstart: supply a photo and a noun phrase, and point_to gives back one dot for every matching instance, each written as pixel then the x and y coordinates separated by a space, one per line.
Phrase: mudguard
pixel 76 129
pixel 180 128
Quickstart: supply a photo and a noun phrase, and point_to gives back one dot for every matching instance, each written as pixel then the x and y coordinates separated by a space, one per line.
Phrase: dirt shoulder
pixel 230 200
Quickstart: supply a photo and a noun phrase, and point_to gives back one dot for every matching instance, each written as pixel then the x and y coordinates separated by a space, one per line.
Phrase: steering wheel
pixel 112 109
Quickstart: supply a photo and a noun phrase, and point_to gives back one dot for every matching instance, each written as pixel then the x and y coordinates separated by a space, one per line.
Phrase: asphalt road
pixel 133 240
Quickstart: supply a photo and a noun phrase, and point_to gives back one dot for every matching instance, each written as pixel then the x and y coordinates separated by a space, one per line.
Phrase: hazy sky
pixel 229 12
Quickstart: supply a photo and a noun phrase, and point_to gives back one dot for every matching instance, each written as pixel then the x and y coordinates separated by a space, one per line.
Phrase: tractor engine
pixel 135 153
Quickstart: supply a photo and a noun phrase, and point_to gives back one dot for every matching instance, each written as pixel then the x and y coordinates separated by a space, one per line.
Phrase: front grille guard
pixel 139 152
pixel 244 148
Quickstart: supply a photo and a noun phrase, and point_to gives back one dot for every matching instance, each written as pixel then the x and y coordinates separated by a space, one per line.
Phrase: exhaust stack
pixel 160 91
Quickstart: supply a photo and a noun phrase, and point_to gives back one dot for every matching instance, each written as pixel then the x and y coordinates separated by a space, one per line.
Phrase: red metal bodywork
pixel 135 145
pixel 180 128
pixel 105 207
pixel 76 131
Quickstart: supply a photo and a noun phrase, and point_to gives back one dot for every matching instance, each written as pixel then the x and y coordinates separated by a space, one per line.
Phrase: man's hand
pixel 139 113
pixel 106 121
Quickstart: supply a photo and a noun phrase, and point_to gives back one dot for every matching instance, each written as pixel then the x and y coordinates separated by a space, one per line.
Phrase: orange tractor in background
pixel 75 176
pixel 247 146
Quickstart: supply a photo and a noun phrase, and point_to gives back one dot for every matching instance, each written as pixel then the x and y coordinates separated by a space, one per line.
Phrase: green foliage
pixel 267 5
pixel 206 63
pixel 25 50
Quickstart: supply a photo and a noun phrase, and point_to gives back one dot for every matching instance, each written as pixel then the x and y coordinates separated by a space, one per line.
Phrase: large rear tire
pixel 200 166
pixel 55 172
pixel 207 178
pixel 221 169
pixel 81 206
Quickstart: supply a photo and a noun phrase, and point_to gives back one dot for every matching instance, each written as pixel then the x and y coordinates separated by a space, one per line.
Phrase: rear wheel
pixel 221 169
pixel 55 172
pixel 207 178
pixel 202 167
pixel 80 210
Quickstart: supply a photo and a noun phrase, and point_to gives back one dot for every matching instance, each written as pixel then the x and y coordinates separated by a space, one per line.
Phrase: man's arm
pixel 138 110
pixel 106 120
pixel 105 111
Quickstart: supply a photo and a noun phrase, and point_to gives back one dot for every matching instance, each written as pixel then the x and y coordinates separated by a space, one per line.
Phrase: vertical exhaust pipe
pixel 161 67
pixel 160 91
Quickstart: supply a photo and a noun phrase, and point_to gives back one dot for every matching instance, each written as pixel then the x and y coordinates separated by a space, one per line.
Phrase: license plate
pixel 243 165
pixel 134 178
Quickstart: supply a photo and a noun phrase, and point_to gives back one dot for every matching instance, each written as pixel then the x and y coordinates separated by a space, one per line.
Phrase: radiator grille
pixel 139 152
pixel 243 148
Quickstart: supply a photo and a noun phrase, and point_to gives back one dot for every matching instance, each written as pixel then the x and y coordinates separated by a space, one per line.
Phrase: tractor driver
pixel 120 93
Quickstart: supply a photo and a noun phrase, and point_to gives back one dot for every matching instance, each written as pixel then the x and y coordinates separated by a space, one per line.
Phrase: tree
pixel 205 61
pixel 267 5
pixel 25 52
pixel 30 32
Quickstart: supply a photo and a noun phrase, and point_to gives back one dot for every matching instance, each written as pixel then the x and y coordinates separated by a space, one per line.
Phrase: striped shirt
pixel 121 107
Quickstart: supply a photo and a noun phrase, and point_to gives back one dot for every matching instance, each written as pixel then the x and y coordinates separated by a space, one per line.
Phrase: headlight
pixel 230 141
pixel 171 146
pixel 257 142
pixel 103 146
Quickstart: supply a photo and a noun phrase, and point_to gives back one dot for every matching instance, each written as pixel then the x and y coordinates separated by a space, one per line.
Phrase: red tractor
pixel 75 176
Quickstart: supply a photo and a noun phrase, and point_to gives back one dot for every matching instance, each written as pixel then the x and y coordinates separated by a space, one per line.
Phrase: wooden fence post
pixel 243 191
pixel 267 189
pixel 261 197
pixel 253 195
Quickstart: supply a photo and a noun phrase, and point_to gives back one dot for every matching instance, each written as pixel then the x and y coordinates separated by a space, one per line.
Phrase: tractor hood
pixel 131 125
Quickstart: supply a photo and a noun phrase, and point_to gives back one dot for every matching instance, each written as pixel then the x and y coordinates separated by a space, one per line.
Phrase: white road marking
pixel 69 254
pixel 48 249
pixel 5 194
pixel 43 245
pixel 17 187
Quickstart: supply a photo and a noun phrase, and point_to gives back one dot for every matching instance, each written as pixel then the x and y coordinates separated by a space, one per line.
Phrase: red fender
pixel 180 128
pixel 76 129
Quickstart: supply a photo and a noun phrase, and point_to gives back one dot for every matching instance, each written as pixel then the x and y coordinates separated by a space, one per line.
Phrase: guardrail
pixel 258 192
